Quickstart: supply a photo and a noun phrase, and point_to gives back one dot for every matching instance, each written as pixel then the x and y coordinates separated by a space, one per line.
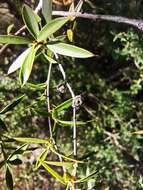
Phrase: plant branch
pixel 73 105
pixel 117 19
pixel 48 98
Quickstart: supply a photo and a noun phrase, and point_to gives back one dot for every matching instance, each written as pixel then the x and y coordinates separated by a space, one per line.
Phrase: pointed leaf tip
pixel 29 18
pixel 69 50
pixel 27 65
pixel 19 61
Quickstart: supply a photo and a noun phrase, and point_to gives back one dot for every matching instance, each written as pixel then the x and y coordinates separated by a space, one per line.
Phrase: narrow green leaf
pixel 87 177
pixel 53 173
pixel 10 39
pixel 19 61
pixel 40 86
pixel 70 123
pixel 50 59
pixel 2 126
pixel 56 111
pixel 47 9
pixel 12 105
pixel 30 20
pixel 67 164
pixel 9 178
pixel 32 140
pixel 69 50
pixel 19 150
pixel 66 158
pixel 27 65
pixel 9 28
pixel 41 157
pixel 51 28
pixel 17 161
pixel 64 105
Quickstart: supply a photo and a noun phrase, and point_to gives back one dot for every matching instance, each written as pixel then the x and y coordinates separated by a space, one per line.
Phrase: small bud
pixel 77 101
pixel 61 88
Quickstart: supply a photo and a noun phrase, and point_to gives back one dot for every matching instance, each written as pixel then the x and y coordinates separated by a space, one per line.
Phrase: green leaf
pixel 9 178
pixel 2 126
pixel 9 28
pixel 32 140
pixel 69 50
pixel 50 59
pixel 67 164
pixel 30 20
pixel 87 177
pixel 70 123
pixel 51 28
pixel 40 86
pixel 65 157
pixel 60 108
pixel 19 61
pixel 10 39
pixel 47 9
pixel 53 173
pixel 19 150
pixel 27 65
pixel 17 161
pixel 66 104
pixel 12 105
pixel 41 157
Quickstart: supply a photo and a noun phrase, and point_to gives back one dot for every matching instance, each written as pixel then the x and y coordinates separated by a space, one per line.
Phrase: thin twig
pixel 138 23
pixel 73 105
pixel 48 98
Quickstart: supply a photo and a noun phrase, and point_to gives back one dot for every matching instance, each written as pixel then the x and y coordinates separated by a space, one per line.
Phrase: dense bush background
pixel 111 85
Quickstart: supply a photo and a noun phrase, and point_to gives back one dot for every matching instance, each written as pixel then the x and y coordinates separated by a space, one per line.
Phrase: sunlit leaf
pixel 10 39
pixel 70 123
pixel 9 28
pixel 53 173
pixel 50 59
pixel 67 158
pixel 47 9
pixel 12 105
pixel 32 140
pixel 51 28
pixel 42 158
pixel 70 35
pixel 67 164
pixel 19 61
pixel 69 50
pixel 9 178
pixel 30 20
pixel 27 65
